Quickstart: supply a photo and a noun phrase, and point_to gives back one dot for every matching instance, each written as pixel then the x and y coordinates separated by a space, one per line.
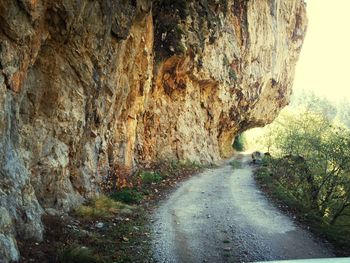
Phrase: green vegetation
pixel 239 143
pixel 135 187
pixel 103 207
pixel 310 170
pixel 124 240
pixel 127 195
pixel 77 255
pixel 150 177
pixel 236 164
pixel 106 229
pixel 286 193
pixel 123 234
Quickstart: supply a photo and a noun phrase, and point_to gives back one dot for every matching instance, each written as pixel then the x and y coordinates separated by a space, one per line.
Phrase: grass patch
pixel 265 178
pixel 268 178
pixel 236 164
pixel 285 196
pixel 150 177
pixel 337 234
pixel 120 241
pixel 77 255
pixel 127 195
pixel 125 235
pixel 103 207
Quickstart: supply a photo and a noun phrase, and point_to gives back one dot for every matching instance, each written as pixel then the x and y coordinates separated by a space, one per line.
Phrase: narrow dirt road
pixel 221 216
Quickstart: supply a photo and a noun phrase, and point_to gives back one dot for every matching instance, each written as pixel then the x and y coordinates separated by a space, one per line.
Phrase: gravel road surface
pixel 221 216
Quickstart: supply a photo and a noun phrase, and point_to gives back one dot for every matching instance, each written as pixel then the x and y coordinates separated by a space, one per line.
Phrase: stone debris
pixel 99 225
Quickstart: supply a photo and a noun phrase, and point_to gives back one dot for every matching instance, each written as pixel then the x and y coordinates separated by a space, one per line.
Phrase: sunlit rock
pixel 90 86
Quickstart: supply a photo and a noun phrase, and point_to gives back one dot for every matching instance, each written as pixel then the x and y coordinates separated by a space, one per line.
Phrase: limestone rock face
pixel 90 86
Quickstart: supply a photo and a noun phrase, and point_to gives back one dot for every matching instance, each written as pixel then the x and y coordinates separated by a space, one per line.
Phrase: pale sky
pixel 324 63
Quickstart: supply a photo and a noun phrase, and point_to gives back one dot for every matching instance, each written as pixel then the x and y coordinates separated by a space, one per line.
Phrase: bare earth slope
pixel 221 216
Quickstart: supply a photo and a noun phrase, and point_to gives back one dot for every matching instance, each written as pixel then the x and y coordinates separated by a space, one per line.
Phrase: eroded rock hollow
pixel 88 86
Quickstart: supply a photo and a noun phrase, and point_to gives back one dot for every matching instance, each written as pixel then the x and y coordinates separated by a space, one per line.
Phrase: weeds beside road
pixel 111 228
pixel 270 177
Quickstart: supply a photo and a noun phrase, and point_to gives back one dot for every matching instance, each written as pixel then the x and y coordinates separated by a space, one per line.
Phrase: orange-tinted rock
pixel 102 87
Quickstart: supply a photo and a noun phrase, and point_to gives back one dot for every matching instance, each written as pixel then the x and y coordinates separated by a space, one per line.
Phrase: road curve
pixel 221 216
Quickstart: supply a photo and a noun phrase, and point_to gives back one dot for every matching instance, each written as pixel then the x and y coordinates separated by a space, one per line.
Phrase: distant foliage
pixel 312 168
pixel 334 111
pixel 325 148
pixel 239 143
pixel 343 112
pixel 309 101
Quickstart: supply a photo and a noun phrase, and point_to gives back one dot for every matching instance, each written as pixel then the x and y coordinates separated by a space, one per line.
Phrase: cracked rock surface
pixel 90 87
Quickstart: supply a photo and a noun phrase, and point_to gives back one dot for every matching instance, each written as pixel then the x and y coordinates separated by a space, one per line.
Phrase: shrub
pixel 127 195
pixel 150 177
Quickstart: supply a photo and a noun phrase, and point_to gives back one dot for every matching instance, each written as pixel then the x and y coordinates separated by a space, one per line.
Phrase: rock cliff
pixel 87 87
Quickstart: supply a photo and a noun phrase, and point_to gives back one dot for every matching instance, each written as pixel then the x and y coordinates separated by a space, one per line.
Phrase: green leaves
pixel 324 148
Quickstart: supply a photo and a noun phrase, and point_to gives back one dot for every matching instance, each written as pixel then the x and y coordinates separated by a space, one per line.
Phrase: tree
pixel 343 114
pixel 316 161
pixel 309 101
